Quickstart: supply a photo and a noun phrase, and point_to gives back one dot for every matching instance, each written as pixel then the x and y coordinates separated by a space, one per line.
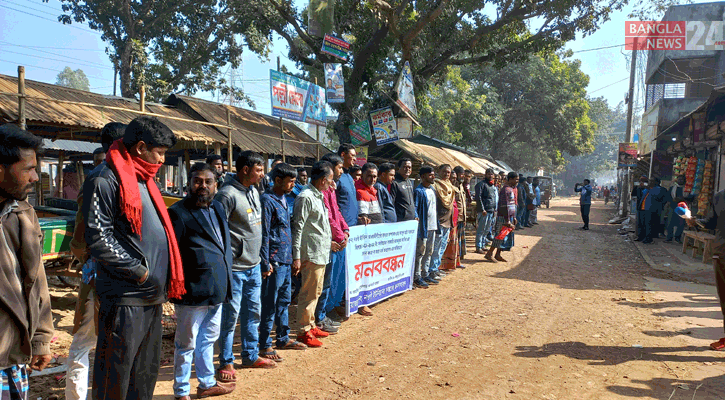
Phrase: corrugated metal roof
pixel 75 146
pixel 434 156
pixel 90 117
pixel 253 130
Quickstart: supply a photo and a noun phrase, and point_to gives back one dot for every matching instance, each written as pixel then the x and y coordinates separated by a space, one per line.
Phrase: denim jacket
pixel 421 207
pixel 276 232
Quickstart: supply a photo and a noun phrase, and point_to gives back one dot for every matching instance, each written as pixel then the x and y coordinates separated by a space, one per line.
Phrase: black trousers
pixel 128 352
pixel 641 224
pixel 585 208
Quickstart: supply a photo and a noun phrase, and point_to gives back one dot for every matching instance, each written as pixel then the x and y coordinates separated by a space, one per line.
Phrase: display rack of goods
pixel 690 173
pixel 679 165
pixel 708 184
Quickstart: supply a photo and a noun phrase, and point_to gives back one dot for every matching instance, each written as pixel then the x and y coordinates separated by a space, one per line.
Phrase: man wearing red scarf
pixel 129 233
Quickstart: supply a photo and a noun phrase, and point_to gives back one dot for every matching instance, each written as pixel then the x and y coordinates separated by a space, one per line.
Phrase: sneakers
pixel 309 339
pixel 335 317
pixel 319 333
pixel 327 326
pixel 328 320
pixel 419 283
pixel 217 390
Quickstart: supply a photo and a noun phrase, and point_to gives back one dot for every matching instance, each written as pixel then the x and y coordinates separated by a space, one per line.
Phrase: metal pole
pixel 142 95
pixel 115 75
pixel 281 122
pixel 21 98
pixel 61 158
pixel 626 194
pixel 230 146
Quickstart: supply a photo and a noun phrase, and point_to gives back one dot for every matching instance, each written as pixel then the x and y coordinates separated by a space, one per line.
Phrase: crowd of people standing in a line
pixel 240 247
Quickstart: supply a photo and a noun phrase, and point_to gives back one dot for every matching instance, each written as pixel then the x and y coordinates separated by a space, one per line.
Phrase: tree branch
pixel 293 21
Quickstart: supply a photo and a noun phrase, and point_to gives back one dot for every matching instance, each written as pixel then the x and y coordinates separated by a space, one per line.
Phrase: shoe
pixel 335 317
pixel 668 240
pixel 309 339
pixel 647 241
pixel 419 283
pixel 319 332
pixel 430 281
pixel 329 321
pixel 338 311
pixel 461 266
pixel 329 328
pixel 216 390
pixel 678 241
pixel 182 398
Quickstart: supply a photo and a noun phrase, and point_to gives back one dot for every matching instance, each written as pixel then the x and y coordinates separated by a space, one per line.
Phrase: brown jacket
pixel 23 333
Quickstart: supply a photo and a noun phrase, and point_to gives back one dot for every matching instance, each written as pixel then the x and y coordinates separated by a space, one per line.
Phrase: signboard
pixel 360 132
pixel 335 47
pixel 406 95
pixel 362 155
pixel 288 96
pixel 384 126
pixel 334 83
pixel 649 129
pixel 405 127
pixel 379 261
pixel 627 155
pixel 315 112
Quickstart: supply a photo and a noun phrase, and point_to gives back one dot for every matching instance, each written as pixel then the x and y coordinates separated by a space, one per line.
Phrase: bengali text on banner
pixel 379 261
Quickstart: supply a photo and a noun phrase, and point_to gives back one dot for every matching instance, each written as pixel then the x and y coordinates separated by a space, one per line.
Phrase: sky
pixel 31 36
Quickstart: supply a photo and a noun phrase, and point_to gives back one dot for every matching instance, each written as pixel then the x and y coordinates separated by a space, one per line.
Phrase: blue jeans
pixel 675 225
pixel 439 248
pixel 483 230
pixel 197 328
pixel 423 255
pixel 520 215
pixel 337 281
pixel 246 303
pixel 276 298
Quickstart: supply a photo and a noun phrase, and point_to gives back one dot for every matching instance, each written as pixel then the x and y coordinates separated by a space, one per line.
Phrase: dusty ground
pixel 572 315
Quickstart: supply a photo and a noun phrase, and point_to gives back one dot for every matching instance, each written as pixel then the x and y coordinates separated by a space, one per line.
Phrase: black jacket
pixel 207 263
pixel 487 197
pixel 123 258
pixel 401 190
pixel 386 203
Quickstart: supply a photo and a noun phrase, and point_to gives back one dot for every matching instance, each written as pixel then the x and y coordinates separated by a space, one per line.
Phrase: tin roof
pixel 85 113
pixel 71 146
pixel 252 130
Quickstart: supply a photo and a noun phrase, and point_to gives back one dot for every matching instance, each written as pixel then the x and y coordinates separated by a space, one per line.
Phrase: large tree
pixel 170 45
pixel 529 114
pixel 431 35
pixel 73 79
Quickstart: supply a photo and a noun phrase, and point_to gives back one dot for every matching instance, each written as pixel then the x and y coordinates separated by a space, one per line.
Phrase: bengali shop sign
pixel 379 262
pixel 360 132
pixel 335 47
pixel 288 96
pixel 384 126
pixel 315 112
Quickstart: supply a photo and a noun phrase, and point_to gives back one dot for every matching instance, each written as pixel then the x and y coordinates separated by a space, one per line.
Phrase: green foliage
pixel 73 79
pixel 432 35
pixel 611 126
pixel 530 115
pixel 185 43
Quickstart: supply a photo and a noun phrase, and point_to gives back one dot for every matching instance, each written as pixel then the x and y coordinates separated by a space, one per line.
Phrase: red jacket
pixel 338 226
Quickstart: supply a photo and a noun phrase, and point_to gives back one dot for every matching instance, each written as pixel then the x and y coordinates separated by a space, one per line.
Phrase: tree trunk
pixel 344 119
pixel 126 61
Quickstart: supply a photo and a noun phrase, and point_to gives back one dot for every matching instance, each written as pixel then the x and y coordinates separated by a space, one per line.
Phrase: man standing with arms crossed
pixel 26 320
pixel 129 232
pixel 243 207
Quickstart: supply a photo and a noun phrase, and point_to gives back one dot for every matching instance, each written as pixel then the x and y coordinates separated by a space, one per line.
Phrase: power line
pixel 44 47
pixel 55 14
pixel 597 48
pixel 73 60
pixel 611 84
pixel 48 19
pixel 54 70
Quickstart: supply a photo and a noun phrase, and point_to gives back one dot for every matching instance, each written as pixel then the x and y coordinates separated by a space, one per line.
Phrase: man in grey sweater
pixel 243 207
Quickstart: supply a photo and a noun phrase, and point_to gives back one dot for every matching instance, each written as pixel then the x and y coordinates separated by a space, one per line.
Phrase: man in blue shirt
pixel 585 201
pixel 651 203
pixel 386 175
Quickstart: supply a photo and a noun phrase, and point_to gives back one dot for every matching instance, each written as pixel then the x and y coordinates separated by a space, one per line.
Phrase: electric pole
pixel 626 193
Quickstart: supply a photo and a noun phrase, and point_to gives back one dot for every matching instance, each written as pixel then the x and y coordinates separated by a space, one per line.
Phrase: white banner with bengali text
pixel 379 262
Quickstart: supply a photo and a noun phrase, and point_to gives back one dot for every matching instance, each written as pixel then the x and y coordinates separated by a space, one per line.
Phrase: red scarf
pixel 123 163
pixel 365 192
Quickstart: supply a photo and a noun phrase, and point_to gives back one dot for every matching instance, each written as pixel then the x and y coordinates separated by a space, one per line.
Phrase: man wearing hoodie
pixel 26 320
pixel 243 207
pixel 129 232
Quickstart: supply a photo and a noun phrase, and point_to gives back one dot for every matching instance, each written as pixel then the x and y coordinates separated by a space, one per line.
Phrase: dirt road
pixel 570 316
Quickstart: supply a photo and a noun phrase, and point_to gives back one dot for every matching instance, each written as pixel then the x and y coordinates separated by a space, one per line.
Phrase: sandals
pixel 365 311
pixel 719 345
pixel 271 355
pixel 226 376
pixel 293 345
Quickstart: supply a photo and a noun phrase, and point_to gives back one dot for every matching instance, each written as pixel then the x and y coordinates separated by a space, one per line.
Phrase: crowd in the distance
pixel 241 247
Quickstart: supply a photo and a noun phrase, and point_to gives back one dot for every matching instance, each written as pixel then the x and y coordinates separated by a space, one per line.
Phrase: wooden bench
pixel 699 242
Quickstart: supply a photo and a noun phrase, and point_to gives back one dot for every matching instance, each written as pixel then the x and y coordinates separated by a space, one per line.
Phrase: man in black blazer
pixel 204 242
